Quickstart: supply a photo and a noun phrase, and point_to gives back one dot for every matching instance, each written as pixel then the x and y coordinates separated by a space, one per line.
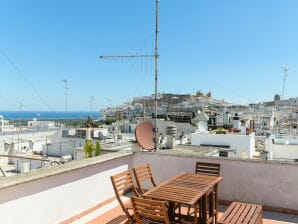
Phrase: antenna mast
pixel 91 103
pixel 66 89
pixel 156 76
pixel 155 56
pixel 282 97
pixel 283 86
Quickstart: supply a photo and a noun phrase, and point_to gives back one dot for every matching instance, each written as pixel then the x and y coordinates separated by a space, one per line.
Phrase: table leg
pixel 216 202
pixel 195 213
pixel 170 211
pixel 204 209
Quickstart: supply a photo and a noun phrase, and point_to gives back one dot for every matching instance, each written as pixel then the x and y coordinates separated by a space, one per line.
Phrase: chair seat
pixel 240 213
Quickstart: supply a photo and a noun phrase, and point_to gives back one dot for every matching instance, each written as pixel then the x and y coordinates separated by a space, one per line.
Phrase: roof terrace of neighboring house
pixel 81 191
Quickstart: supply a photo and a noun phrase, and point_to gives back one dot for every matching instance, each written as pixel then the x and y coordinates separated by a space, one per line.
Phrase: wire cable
pixel 25 79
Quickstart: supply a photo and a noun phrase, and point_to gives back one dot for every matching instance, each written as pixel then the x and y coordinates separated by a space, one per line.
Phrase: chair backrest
pixel 211 169
pixel 146 210
pixel 123 185
pixel 142 174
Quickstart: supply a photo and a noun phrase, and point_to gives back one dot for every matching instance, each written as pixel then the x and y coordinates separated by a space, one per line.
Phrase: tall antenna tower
pixel 284 69
pixel 66 91
pixel 110 102
pixel 284 81
pixel 91 103
pixel 155 56
pixel 20 105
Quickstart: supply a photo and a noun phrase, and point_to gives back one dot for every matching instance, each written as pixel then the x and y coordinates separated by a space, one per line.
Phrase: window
pixel 223 154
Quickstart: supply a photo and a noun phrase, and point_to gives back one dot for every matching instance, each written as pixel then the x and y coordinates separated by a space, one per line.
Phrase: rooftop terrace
pixel 81 191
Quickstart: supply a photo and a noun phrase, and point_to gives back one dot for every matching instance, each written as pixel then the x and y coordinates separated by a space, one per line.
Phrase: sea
pixel 28 115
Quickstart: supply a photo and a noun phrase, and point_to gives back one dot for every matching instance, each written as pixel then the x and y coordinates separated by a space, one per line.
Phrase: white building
pixel 1 123
pixel 18 143
pixel 4 124
pixel 223 118
pixel 61 145
pixel 238 146
pixel 41 124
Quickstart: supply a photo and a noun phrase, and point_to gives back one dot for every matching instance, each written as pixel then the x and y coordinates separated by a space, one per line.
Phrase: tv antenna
pixel 20 106
pixel 284 81
pixel 110 102
pixel 284 69
pixel 91 101
pixel 155 56
pixel 66 90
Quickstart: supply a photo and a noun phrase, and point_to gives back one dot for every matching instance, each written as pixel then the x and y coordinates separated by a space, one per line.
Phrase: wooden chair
pixel 210 169
pixel 149 211
pixel 143 174
pixel 123 186
pixel 209 202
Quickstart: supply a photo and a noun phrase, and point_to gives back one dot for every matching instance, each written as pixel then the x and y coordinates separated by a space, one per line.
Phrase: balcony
pixel 81 191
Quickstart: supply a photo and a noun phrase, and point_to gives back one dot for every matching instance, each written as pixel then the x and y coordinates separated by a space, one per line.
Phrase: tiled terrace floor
pixel 112 214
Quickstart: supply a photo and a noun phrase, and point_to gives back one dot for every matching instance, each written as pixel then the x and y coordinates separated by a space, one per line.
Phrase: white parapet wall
pixel 271 183
pixel 33 199
pixel 55 195
pixel 243 146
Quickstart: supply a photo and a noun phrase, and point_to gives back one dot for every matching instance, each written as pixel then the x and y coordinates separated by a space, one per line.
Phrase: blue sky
pixel 235 49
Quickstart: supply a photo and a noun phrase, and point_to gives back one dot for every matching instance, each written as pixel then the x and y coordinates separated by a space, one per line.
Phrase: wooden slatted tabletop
pixel 186 188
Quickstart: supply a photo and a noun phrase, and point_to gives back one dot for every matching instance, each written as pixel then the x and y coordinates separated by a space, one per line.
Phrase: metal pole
pixel 156 76
pixel 66 88
pixel 144 110
pixel 3 173
pixel 60 148
pixel 283 86
pixel 282 97
pixel 156 56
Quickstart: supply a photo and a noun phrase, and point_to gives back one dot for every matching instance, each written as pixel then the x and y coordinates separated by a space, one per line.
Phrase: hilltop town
pixel 275 117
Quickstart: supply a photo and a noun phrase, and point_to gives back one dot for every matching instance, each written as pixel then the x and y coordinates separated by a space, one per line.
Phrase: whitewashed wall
pixel 239 143
pixel 59 197
pixel 268 183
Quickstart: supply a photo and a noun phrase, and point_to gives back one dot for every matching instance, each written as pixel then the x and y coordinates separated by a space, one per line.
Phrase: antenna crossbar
pixel 155 56
pixel 127 56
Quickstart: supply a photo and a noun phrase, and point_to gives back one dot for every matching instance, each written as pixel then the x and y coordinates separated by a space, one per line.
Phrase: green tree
pixel 75 123
pixel 95 124
pixel 109 121
pixel 88 148
pixel 220 131
pixel 97 149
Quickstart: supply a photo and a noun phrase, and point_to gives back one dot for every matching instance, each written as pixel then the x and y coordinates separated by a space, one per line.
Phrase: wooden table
pixel 186 188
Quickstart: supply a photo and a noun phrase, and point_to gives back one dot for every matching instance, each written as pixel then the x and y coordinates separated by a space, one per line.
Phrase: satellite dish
pixel 202 126
pixel 145 135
